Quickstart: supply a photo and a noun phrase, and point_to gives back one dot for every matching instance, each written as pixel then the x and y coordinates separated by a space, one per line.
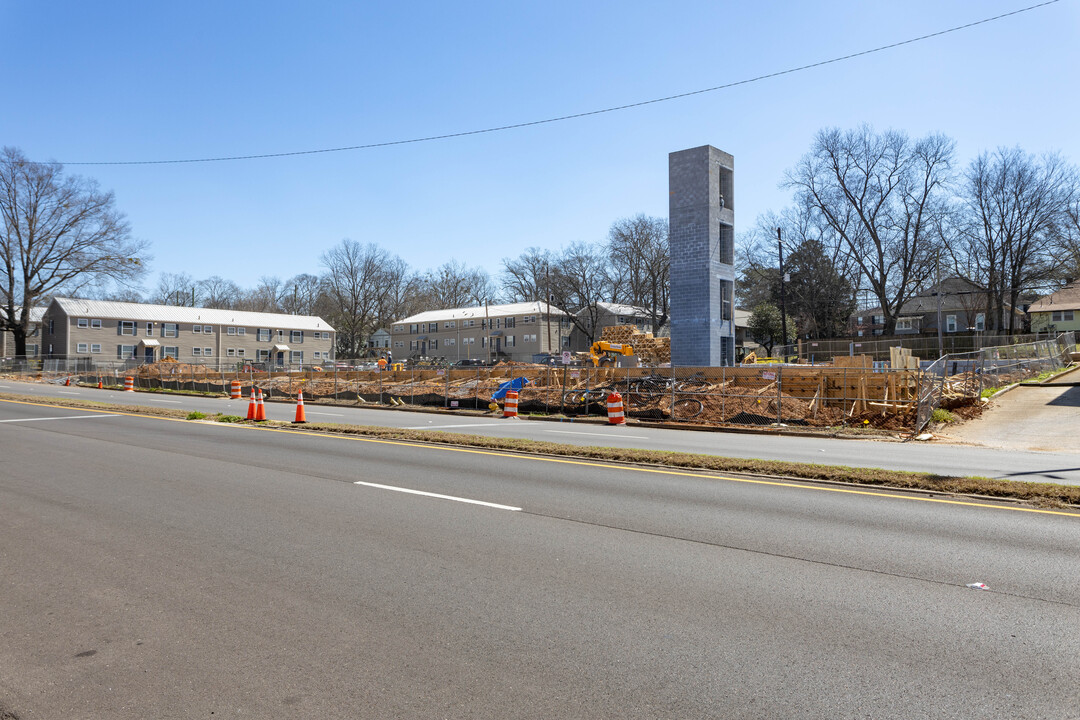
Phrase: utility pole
pixel 783 304
pixel 940 341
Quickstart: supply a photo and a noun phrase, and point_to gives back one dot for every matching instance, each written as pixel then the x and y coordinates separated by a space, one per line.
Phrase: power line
pixel 575 116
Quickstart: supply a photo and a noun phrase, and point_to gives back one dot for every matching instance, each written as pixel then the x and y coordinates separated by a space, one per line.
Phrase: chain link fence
pixel 756 395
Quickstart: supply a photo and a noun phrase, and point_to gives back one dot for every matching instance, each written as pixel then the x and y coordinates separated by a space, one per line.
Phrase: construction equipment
pixel 603 352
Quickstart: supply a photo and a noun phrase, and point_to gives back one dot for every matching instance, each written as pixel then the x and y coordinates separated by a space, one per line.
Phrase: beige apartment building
pixel 33 340
pixel 516 331
pixel 120 331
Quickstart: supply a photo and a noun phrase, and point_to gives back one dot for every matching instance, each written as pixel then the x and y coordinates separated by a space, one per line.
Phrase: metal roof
pixel 171 313
pixel 480 312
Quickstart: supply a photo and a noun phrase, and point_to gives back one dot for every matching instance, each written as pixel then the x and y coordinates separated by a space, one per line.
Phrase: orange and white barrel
pixel 510 408
pixel 234 390
pixel 129 384
pixel 615 414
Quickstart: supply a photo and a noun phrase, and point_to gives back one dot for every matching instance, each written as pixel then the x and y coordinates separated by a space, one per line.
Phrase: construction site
pixel 849 391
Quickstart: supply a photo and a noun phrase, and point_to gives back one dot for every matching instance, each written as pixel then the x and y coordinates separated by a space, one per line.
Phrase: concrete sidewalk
pixel 1041 417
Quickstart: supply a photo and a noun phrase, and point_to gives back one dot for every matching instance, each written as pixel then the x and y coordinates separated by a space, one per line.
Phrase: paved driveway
pixel 1041 418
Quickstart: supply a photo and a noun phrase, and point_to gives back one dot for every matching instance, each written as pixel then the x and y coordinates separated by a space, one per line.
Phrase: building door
pixel 148 354
pixel 281 357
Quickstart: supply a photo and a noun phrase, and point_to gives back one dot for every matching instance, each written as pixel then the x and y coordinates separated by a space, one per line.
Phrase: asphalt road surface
pixel 1058 464
pixel 152 568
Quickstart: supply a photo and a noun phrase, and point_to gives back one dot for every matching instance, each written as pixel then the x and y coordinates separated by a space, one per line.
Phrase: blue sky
pixel 131 81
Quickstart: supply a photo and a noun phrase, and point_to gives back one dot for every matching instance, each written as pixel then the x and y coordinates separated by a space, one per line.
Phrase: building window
pixel 566 342
pixel 95 347
pixel 230 352
pixel 509 341
pixel 511 322
pixel 262 335
pixel 412 328
pixel 207 330
pixel 241 331
pixel 1062 316
pixel 264 355
pixel 296 357
pixel 449 325
pixel 82 347
pixel 296 336
pixel 468 341
pixel 240 352
pixel 528 338
pixel 980 322
pixel 399 343
pixel 127 327
pixel 95 323
pixel 230 331
pixel 950 323
pixel 904 324
pixel 197 329
pixel 170 351
pixel 196 351
pixel 207 352
pixel 125 352
pixel 149 329
pixel 169 329
pixel 412 344
pixel 434 345
pixel 83 322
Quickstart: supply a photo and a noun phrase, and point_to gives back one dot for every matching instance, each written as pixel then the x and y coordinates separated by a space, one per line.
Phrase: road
pixel 166 569
pixel 1059 466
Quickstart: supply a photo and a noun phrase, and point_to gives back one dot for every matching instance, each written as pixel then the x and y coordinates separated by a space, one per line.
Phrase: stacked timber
pixel 650 350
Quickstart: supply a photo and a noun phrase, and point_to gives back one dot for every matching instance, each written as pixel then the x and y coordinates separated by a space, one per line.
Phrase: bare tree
pixel 641 265
pixel 264 297
pixel 580 281
pixel 1016 224
pixel 453 285
pixel 178 289
pixel 884 197
pixel 217 292
pixel 365 287
pixel 59 234
pixel 300 294
pixel 527 277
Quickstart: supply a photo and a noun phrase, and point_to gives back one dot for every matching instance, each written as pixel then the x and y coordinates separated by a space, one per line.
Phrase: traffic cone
pixel 99 385
pixel 251 406
pixel 260 410
pixel 67 383
pixel 300 416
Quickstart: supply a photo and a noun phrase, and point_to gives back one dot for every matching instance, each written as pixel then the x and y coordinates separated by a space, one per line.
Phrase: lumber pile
pixel 650 350
pixel 900 359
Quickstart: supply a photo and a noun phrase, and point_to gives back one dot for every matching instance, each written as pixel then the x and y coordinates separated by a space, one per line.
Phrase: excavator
pixel 603 352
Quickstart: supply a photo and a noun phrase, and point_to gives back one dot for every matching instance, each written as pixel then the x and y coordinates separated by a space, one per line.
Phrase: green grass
pixel 196 415
pixel 941 415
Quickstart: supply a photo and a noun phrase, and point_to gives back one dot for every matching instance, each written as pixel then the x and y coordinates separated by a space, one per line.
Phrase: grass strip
pixel 1035 493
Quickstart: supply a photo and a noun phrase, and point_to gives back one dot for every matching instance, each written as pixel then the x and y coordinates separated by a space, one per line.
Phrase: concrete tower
pixel 701 216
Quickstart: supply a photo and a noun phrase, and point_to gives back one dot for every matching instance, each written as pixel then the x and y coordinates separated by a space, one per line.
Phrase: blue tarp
pixel 515 384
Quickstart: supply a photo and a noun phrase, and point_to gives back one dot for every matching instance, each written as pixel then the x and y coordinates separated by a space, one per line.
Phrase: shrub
pixel 941 415
pixel 195 415
pixel 229 418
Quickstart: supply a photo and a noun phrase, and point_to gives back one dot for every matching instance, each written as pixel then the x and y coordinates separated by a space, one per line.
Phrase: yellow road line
pixel 804 485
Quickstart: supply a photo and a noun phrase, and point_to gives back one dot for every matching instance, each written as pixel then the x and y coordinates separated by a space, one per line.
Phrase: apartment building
pixel 33 340
pixel 147 333
pixel 516 331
